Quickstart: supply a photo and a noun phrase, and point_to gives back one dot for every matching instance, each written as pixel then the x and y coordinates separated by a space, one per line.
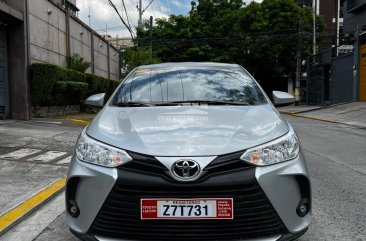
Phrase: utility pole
pixel 139 7
pixel 141 11
pixel 151 28
pixel 314 25
pixel 337 24
pixel 298 64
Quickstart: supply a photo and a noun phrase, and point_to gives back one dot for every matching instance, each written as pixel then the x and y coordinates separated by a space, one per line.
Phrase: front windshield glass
pixel 174 85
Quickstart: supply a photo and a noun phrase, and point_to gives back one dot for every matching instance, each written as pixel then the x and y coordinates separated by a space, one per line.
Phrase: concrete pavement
pixel 33 155
pixel 39 222
pixel 352 114
pixel 336 159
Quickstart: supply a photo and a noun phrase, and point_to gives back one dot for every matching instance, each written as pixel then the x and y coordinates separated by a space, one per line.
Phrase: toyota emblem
pixel 186 170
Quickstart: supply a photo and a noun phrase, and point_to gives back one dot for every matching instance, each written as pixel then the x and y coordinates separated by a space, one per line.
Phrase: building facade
pixel 33 31
pixel 328 10
pixel 338 74
pixel 354 14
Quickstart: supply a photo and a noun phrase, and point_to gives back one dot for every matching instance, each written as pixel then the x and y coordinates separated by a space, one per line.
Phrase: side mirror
pixel 96 100
pixel 282 98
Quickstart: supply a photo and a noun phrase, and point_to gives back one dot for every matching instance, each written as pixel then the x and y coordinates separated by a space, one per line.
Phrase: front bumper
pixel 278 188
pixel 286 237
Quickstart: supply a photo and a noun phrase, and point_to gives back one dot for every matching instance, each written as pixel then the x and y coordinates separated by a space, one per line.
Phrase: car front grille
pixel 254 216
pixel 150 165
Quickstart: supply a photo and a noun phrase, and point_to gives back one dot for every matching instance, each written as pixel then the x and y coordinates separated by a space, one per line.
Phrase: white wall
pixel 48 40
pixel 80 41
pixel 47 33
pixel 114 58
pixel 100 57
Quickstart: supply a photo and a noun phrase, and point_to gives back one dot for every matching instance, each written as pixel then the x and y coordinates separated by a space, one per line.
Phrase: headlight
pixel 282 149
pixel 91 151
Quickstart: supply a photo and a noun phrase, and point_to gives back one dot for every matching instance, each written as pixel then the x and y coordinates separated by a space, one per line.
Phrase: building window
pixel 70 7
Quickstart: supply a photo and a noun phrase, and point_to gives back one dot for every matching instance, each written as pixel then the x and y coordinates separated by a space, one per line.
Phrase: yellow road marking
pixel 309 117
pixel 318 119
pixel 24 208
pixel 80 122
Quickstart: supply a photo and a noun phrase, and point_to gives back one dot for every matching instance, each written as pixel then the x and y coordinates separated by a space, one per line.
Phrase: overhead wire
pixel 128 20
pixel 148 5
pixel 133 10
pixel 123 21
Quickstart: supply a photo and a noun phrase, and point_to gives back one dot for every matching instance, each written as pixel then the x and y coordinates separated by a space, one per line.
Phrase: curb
pixel 80 122
pixel 317 108
pixel 23 210
pixel 320 119
pixel 311 118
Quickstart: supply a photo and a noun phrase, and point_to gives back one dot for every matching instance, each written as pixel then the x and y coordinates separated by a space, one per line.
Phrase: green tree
pixel 134 57
pixel 263 37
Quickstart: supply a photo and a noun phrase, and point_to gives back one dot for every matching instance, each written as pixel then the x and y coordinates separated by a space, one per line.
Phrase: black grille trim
pixel 254 216
pixel 145 164
pixel 227 163
pixel 221 164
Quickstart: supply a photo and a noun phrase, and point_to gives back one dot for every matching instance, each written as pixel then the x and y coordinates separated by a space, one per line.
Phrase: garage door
pixel 3 74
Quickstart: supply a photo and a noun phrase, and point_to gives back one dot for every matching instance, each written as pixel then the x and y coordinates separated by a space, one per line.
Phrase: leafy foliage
pixel 134 57
pixel 53 85
pixel 262 37
pixel 99 84
pixel 69 92
pixel 78 63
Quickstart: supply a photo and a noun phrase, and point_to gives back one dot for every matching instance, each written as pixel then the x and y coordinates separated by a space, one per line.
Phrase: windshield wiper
pixel 133 104
pixel 212 102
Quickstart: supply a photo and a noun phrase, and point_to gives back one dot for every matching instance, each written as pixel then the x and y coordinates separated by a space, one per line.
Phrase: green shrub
pixel 55 85
pixel 99 84
pixel 72 75
pixel 69 93
pixel 78 63
pixel 43 79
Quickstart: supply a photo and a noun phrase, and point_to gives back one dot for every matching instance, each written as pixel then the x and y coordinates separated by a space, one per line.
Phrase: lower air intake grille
pixel 254 216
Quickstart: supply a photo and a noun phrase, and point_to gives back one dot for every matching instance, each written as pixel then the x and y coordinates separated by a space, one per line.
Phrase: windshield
pixel 181 85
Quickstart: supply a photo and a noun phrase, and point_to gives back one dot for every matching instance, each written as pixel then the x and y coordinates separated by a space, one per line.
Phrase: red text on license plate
pixel 212 208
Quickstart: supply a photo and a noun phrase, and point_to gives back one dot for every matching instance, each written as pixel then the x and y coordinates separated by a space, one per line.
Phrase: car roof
pixel 192 65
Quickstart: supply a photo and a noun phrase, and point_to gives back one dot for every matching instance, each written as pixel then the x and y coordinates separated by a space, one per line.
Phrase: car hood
pixel 187 130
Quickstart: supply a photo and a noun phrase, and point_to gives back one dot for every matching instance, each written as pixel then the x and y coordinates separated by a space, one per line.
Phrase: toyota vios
pixel 188 151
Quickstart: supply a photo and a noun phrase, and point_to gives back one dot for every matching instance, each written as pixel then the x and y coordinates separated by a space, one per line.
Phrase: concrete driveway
pixel 33 155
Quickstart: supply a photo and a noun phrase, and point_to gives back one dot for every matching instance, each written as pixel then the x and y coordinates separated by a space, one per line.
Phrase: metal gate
pixel 3 74
pixel 341 84
pixel 318 84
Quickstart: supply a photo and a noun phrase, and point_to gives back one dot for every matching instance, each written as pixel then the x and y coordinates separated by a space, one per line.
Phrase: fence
pixel 55 34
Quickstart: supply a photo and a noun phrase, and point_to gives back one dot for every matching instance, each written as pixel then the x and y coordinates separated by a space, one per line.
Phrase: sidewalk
pixel 352 114
pixel 34 156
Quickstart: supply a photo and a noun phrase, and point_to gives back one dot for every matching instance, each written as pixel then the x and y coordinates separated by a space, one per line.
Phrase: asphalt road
pixel 336 156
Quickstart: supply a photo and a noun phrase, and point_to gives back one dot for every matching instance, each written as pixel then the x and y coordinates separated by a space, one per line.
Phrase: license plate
pixel 213 208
